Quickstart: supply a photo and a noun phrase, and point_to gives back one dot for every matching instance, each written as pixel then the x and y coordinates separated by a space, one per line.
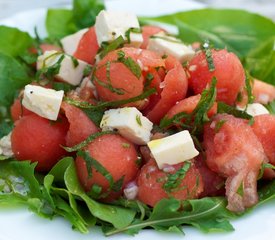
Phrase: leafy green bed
pixel 58 193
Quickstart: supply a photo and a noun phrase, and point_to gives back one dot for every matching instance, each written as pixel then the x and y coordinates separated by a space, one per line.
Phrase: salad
pixel 110 123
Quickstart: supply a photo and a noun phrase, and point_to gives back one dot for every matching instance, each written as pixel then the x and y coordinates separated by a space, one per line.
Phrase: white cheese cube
pixel 5 146
pixel 173 149
pixel 129 122
pixel 43 101
pixel 110 25
pixel 69 72
pixel 167 45
pixel 255 109
pixel 70 42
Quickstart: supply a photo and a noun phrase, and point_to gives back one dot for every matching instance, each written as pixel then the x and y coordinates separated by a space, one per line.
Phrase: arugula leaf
pixel 207 214
pixel 69 208
pixel 18 184
pixel 117 216
pixel 266 192
pixel 13 76
pixel 237 30
pixel 13 42
pixel 65 210
pixel 58 170
pixel 85 12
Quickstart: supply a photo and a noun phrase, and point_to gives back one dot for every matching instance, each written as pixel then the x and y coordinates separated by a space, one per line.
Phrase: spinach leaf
pixel 13 42
pixel 62 22
pixel 13 76
pixel 260 61
pixel 85 12
pixel 59 23
pixel 237 30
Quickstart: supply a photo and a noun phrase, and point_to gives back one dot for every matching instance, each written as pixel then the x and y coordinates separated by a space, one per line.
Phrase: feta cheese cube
pixel 110 25
pixel 129 122
pixel 5 146
pixel 70 42
pixel 43 101
pixel 173 149
pixel 167 45
pixel 255 109
pixel 68 71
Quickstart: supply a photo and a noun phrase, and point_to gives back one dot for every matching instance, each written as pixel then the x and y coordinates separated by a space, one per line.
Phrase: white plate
pixel 21 224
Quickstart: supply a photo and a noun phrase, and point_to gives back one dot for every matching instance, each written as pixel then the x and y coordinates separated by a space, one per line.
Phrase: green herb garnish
pixel 104 105
pixel 108 47
pixel 224 108
pixel 194 121
pixel 108 85
pixel 248 87
pixel 138 120
pixel 126 145
pixel 208 54
pixel 87 70
pixel 148 80
pixel 129 63
pixel 74 61
pixel 219 124
pixel 129 31
pixel 87 141
pixel 51 71
pixel 175 179
pixel 93 163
